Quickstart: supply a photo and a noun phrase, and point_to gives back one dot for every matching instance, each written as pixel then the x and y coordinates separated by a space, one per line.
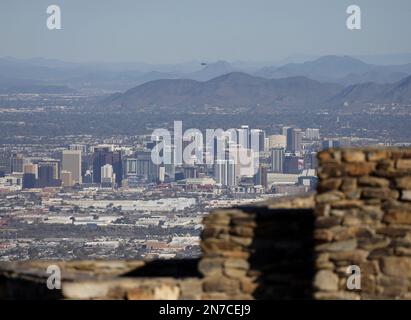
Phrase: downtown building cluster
pixel 278 163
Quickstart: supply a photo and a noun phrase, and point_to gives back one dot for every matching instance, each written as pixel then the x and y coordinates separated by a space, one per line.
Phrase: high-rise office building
pixel 30 176
pixel 284 130
pixel 294 140
pixel 289 135
pixel 31 168
pixel 312 133
pixel 220 173
pixel 225 172
pixel 266 144
pixel 47 175
pixel 72 163
pixel 169 166
pixel 261 178
pixel 231 173
pixel 145 166
pixel 330 143
pixel 243 136
pixel 244 160
pixel 219 148
pixel 161 174
pixel 277 160
pixel 190 172
pixel 292 165
pixel 54 164
pixel 79 147
pixel 108 176
pixel 257 140
pixel 297 141
pixel 67 179
pixel 102 156
pixel 29 181
pixel 130 167
pixel 310 160
pixel 277 141
pixel 17 162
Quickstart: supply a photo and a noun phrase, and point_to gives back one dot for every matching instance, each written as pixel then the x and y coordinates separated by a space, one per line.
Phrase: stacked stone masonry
pixel 258 252
pixel 363 218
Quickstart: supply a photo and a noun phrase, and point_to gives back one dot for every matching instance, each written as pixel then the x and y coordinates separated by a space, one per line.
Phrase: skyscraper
pixel 67 179
pixel 330 143
pixel 312 133
pixel 108 177
pixel 31 169
pixel 47 174
pixel 190 172
pixel 54 164
pixel 169 168
pixel 17 162
pixel 103 156
pixel 284 130
pixel 277 160
pixel 243 136
pixel 72 163
pixel 225 172
pixel 30 176
pixel 292 165
pixel 257 140
pixel 294 140
pixel 29 181
pixel 245 161
pixel 130 167
pixel 145 166
pixel 261 177
pixel 79 147
pixel 297 141
pixel 277 141
pixel 219 148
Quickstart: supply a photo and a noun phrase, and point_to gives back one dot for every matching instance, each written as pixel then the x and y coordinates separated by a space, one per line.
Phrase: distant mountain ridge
pixel 344 70
pixel 233 89
pixel 111 77
pixel 38 74
pixel 243 90
pixel 397 92
pixel 13 86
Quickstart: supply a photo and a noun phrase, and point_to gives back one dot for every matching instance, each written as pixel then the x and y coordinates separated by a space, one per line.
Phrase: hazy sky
pixel 169 31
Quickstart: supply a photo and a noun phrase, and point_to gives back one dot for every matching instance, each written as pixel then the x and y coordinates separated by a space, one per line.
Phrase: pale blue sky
pixel 170 31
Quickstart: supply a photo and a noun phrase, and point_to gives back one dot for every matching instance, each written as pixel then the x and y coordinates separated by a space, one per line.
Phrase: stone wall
pixel 261 252
pixel 363 218
pixel 90 280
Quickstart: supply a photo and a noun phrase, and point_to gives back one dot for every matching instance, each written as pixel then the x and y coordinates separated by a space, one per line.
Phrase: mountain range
pixel 371 92
pixel 323 80
pixel 344 70
pixel 233 89
pixel 238 89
